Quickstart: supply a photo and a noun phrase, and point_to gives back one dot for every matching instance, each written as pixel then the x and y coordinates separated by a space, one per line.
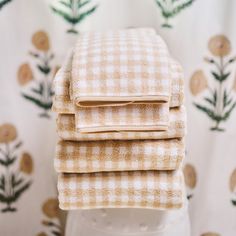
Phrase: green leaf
pixel 83 15
pixel 215 96
pixel 66 4
pixel 2 182
pixel 164 12
pixel 44 69
pixel 4 2
pixel 3 162
pixel 81 4
pixel 39 90
pixel 210 101
pixel 18 145
pixel 65 15
pixel 18 182
pixel 38 102
pixel 216 76
pixel 233 202
pixel 220 78
pixel 208 112
pixel 227 113
pixel 224 97
pixel 11 160
pixel 8 161
pixel 181 7
pixel 56 233
pixel 20 190
pixel 225 76
pixel 3 198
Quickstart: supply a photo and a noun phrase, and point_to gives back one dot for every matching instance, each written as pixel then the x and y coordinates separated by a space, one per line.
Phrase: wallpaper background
pixel 35 36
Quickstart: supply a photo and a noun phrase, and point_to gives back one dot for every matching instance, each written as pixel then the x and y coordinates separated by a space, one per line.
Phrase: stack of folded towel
pixel 121 123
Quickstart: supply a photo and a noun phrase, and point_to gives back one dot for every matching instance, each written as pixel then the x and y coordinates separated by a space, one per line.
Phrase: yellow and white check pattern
pixel 131 117
pixel 132 189
pixel 96 156
pixel 120 66
pixel 121 120
pixel 177 129
pixel 63 104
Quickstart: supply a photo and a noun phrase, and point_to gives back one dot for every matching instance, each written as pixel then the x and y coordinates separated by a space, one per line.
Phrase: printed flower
pixel 198 82
pixel 24 74
pixel 50 208
pixel 190 176
pixel 26 163
pixel 8 133
pixel 232 182
pixel 41 41
pixel 210 234
pixel 219 45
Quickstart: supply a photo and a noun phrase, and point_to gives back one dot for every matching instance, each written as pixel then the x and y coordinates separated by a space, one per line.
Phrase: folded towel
pixel 120 67
pixel 131 117
pixel 177 129
pixel 97 156
pixel 63 104
pixel 137 189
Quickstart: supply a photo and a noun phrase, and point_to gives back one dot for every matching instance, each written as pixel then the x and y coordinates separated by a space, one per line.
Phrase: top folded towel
pixel 120 67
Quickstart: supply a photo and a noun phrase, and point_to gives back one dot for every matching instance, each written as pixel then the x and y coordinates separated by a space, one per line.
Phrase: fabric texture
pixel 120 87
pixel 134 189
pixel 62 102
pixel 131 117
pixel 128 155
pixel 120 66
pixel 177 129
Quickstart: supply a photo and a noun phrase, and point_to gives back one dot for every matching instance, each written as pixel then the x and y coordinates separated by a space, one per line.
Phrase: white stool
pixel 127 222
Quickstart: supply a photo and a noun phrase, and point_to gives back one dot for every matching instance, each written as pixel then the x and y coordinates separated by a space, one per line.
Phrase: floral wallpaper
pixel 35 36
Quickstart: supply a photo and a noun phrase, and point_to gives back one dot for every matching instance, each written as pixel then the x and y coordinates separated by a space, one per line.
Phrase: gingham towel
pixel 132 117
pixel 119 67
pixel 176 129
pixel 63 104
pixel 119 155
pixel 137 189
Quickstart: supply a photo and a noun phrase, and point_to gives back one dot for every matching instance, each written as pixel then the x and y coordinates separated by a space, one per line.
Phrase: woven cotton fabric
pixel 96 156
pixel 176 129
pixel 138 189
pixel 121 120
pixel 120 66
pixel 131 117
pixel 62 102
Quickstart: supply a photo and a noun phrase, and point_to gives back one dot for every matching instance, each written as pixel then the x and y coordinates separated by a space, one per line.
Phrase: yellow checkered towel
pixel 119 67
pixel 131 117
pixel 121 189
pixel 177 129
pixel 63 104
pixel 119 155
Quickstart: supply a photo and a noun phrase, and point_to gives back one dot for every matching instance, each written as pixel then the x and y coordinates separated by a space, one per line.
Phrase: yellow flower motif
pixel 41 41
pixel 50 208
pixel 232 181
pixel 42 234
pixel 198 82
pixel 210 234
pixel 26 163
pixel 8 133
pixel 219 45
pixel 190 176
pixel 24 74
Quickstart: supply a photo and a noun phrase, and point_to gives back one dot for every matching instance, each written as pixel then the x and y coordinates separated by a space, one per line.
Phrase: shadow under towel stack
pixel 121 123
